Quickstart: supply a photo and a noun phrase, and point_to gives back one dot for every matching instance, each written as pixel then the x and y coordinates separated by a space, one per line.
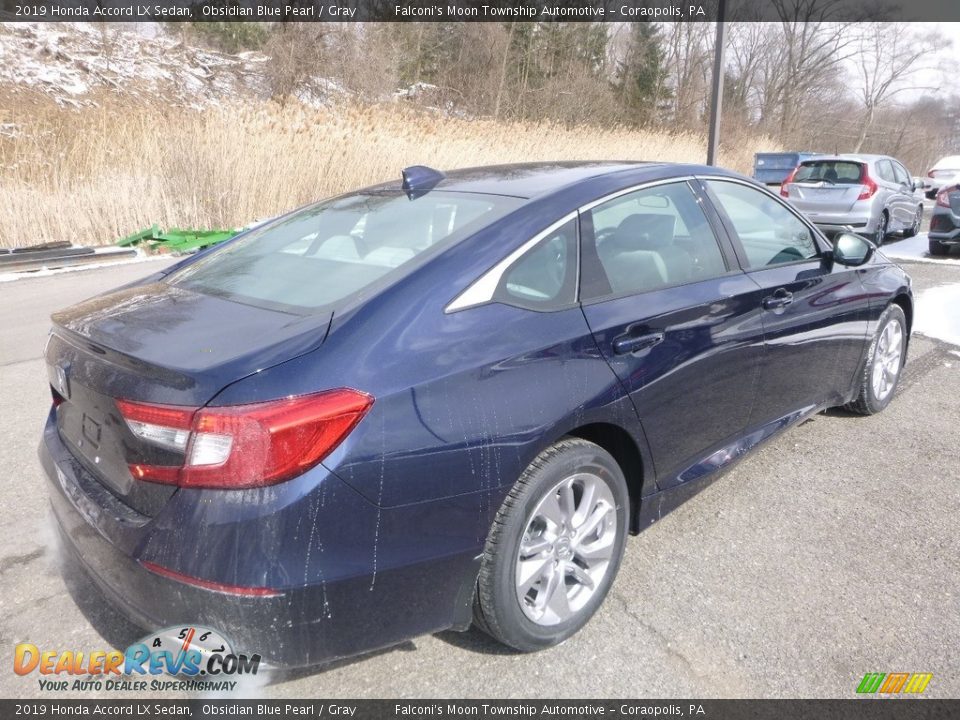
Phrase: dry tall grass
pixel 93 175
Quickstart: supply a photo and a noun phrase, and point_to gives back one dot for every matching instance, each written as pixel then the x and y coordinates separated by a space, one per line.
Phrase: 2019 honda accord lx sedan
pixel 447 400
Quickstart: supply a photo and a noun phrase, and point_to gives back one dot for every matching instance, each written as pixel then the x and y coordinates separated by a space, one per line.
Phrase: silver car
pixel 873 195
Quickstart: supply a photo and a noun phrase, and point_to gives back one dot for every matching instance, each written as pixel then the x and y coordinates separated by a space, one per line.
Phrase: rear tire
pixel 881 372
pixel 554 548
pixel 937 249
pixel 881 233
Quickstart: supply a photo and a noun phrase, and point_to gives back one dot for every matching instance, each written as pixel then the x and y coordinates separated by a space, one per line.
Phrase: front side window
pixel 769 233
pixel 330 252
pixel 649 239
pixel 545 277
pixel 900 173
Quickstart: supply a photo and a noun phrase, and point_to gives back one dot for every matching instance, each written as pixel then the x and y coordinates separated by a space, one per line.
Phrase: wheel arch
pixel 618 442
pixel 905 302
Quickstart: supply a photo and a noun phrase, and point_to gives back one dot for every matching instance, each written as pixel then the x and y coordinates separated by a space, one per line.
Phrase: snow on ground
pixel 938 313
pixel 915 250
pixel 68 61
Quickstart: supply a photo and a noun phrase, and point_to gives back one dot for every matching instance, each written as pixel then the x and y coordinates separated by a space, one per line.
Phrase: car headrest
pixel 645 231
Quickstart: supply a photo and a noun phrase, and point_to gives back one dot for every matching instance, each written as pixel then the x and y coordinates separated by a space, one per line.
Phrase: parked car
pixel 447 400
pixel 945 221
pixel 873 195
pixel 946 171
pixel 774 168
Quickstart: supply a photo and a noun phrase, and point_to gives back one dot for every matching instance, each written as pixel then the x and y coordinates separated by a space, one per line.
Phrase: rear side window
pixel 768 232
pixel 331 252
pixel 885 171
pixel 839 172
pixel 649 239
pixel 545 277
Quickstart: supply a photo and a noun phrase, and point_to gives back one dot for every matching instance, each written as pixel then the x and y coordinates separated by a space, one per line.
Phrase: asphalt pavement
pixel 830 552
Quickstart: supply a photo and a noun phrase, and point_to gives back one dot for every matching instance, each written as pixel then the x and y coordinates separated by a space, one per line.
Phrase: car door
pixel 815 311
pixel 889 189
pixel 905 202
pixel 676 320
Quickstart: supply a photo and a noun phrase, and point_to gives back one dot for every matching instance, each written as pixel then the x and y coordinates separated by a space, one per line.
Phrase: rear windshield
pixel 327 253
pixel 841 172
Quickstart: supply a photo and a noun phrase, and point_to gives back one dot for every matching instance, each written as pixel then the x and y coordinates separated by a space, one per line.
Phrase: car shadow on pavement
pixel 476 641
pixel 112 625
pixel 472 640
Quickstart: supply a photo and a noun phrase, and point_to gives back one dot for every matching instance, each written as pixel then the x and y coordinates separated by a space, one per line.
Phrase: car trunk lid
pixel 162 344
pixel 828 187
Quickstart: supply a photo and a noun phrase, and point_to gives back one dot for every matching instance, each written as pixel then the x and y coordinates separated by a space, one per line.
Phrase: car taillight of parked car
pixel 943 199
pixel 244 446
pixel 869 186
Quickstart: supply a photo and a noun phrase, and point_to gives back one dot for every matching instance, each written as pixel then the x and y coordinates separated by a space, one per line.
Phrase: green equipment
pixel 176 240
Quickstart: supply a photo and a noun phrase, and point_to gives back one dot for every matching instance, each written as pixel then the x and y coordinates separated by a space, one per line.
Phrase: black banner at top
pixel 479 10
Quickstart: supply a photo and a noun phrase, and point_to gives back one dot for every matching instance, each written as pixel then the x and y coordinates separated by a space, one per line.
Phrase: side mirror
pixel 852 250
pixel 917 183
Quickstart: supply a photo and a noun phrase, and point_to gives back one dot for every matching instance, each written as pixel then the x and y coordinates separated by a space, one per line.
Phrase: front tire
pixel 917 222
pixel 554 548
pixel 881 373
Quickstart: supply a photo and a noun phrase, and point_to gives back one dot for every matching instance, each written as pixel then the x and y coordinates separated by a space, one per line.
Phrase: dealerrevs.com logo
pixel 198 659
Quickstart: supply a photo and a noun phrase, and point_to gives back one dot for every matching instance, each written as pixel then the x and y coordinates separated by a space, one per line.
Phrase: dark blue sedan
pixel 447 400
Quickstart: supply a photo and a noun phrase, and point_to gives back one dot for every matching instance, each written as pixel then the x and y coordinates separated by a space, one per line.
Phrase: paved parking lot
pixel 831 552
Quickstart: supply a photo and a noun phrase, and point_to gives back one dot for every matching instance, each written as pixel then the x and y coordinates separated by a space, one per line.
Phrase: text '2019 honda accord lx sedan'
pixel 447 400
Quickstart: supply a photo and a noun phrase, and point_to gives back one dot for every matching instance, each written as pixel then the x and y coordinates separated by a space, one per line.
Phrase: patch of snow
pixel 938 313
pixel 69 61
pixel 915 250
pixel 415 90
pixel 47 272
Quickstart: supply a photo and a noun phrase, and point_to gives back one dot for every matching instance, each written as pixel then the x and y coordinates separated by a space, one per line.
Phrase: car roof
pixel 950 161
pixel 534 180
pixel 858 157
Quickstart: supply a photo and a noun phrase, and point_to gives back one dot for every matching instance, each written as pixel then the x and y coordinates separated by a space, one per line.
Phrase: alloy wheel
pixel 566 549
pixel 887 359
pixel 881 229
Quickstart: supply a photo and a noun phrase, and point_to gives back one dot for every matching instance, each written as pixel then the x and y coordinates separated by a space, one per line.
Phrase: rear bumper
pixel 945 227
pixel 832 223
pixel 340 608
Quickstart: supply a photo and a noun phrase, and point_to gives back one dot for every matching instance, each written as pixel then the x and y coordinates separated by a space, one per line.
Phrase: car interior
pixel 649 241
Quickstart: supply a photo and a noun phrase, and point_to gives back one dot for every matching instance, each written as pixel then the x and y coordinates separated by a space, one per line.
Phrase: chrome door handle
pixel 780 299
pixel 630 343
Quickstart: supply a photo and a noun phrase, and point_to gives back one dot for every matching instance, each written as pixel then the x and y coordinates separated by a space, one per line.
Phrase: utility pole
pixel 716 96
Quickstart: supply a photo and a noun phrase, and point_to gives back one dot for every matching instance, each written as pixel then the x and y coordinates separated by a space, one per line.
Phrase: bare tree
pixel 889 59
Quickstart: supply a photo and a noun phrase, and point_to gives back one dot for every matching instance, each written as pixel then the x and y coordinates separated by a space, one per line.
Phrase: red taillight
pixel 244 446
pixel 783 186
pixel 208 584
pixel 869 184
pixel 942 199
